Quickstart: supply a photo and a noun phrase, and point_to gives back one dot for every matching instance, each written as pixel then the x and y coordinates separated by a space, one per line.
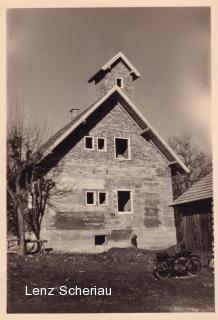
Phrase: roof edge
pixel 174 203
pixel 178 160
pixel 107 65
pixel 131 104
pixel 124 58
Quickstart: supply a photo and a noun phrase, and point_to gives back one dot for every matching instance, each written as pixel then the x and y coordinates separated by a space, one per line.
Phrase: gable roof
pixel 147 131
pixel 113 60
pixel 202 189
pixel 47 146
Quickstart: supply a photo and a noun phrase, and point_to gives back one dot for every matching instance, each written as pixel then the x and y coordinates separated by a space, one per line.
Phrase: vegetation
pixel 28 190
pixel 198 162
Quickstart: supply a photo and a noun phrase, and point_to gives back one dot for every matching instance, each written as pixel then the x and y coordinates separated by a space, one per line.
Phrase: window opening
pixel 122 148
pixel 124 201
pixel 102 198
pixel 101 144
pixel 100 240
pixel 90 197
pixel 119 82
pixel 89 143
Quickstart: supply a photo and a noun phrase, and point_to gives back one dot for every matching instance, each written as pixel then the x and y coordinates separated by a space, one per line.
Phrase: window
pixel 102 198
pixel 124 201
pixel 119 82
pixel 90 198
pixel 101 144
pixel 100 240
pixel 89 143
pixel 122 148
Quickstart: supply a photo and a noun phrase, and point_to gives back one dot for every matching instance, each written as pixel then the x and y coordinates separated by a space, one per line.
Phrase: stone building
pixel 118 169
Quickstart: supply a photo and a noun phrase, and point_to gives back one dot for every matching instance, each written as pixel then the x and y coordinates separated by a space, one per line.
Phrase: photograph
pixel 109 168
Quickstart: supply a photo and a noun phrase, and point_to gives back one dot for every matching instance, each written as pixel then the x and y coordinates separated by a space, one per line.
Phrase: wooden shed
pixel 194 218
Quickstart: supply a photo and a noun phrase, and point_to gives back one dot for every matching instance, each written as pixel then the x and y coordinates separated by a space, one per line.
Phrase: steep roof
pixel 112 61
pixel 203 189
pixel 52 140
pixel 147 131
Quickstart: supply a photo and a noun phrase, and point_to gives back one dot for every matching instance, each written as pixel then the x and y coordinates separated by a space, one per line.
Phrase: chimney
pixel 73 113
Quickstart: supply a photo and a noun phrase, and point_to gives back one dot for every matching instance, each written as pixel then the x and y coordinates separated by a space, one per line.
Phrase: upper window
pixel 119 82
pixel 101 144
pixel 122 148
pixel 89 142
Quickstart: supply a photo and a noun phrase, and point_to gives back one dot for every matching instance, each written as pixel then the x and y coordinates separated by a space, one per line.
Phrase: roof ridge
pixel 119 55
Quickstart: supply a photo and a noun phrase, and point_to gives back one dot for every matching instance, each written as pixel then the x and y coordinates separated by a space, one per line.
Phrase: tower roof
pixel 119 56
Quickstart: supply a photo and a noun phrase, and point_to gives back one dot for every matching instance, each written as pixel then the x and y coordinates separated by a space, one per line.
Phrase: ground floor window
pixel 124 201
pixel 90 198
pixel 96 198
pixel 100 240
pixel 102 198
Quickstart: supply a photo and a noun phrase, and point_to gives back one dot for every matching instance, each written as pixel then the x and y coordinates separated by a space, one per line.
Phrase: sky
pixel 51 54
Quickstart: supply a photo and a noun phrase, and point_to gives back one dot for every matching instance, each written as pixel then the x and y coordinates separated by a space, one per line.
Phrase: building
pixel 194 219
pixel 118 169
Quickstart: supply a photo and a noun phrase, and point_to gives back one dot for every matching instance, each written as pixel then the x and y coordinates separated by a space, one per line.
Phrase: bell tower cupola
pixel 117 72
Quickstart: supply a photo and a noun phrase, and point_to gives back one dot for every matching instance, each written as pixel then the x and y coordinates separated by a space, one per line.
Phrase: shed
pixel 194 218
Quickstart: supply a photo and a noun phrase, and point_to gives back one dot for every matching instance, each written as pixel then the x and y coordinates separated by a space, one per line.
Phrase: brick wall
pixel 109 81
pixel 146 174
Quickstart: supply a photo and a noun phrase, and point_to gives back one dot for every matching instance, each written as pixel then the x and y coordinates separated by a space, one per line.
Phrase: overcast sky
pixel 53 52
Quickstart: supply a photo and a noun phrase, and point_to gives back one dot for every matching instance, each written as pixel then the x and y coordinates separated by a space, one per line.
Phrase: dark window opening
pixel 102 198
pixel 100 240
pixel 119 82
pixel 122 148
pixel 89 142
pixel 124 201
pixel 101 144
pixel 90 197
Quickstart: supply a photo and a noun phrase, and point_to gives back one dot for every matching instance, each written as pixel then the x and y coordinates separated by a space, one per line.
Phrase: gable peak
pixel 117 71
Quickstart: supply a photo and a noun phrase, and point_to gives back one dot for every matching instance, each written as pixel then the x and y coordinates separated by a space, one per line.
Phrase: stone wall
pixel 109 80
pixel 72 225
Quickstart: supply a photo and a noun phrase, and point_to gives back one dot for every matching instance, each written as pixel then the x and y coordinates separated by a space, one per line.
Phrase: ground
pixel 127 271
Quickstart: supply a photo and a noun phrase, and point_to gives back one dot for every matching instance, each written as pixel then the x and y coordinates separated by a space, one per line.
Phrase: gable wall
pixel 146 174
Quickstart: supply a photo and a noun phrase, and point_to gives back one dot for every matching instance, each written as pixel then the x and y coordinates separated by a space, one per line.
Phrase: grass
pixel 128 272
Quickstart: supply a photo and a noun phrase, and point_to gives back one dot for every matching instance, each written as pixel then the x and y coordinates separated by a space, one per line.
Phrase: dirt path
pixel 128 272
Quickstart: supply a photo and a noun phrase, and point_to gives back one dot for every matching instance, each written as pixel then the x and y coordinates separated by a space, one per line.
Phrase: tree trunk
pixel 37 234
pixel 21 232
pixel 20 218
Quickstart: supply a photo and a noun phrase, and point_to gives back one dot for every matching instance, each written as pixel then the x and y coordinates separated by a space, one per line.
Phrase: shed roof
pixel 112 61
pixel 202 189
pixel 147 130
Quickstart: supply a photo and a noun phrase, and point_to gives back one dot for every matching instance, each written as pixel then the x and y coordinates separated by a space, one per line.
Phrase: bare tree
pixel 44 190
pixel 22 141
pixel 27 180
pixel 198 162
